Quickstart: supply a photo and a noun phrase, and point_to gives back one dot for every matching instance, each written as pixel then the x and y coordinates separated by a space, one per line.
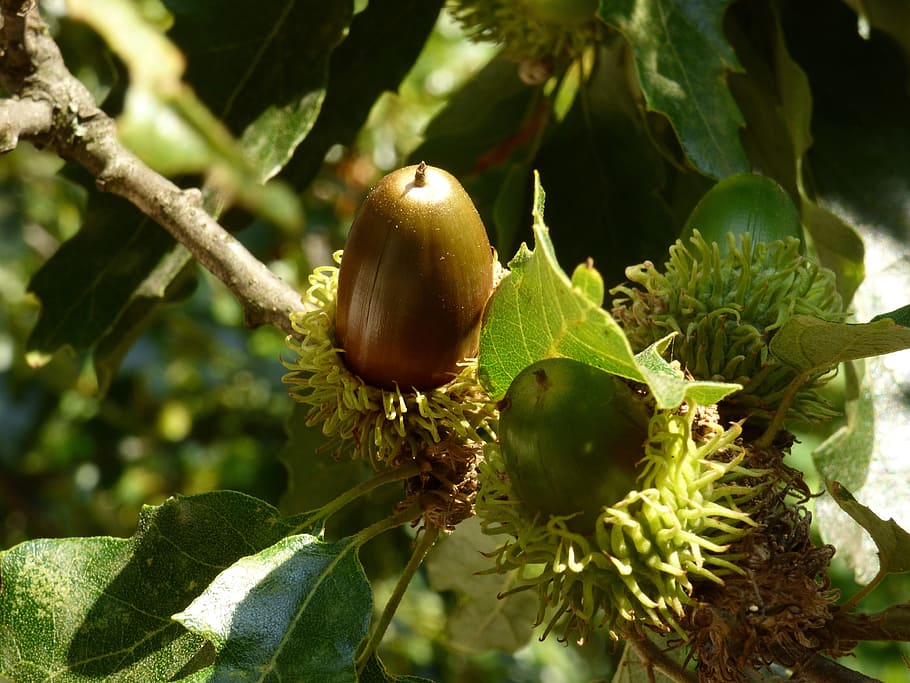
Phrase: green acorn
pixel 571 435
pixel 726 307
pixel 532 30
pixel 644 555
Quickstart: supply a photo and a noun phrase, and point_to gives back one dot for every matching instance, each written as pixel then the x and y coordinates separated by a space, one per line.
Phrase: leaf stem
pixel 777 423
pixel 388 477
pixel 422 547
pixel 864 591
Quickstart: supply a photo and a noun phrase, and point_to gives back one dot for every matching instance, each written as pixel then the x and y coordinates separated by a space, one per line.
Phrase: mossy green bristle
pixel 648 551
pixel 725 309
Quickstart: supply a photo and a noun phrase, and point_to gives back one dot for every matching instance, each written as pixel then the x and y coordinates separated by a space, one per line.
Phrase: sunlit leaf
pixel 588 281
pixel 537 313
pixel 296 610
pixel 811 344
pixel 100 608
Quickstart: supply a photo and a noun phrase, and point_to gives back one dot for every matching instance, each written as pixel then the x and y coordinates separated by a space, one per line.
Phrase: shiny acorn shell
pixel 744 204
pixel 571 435
pixel 415 276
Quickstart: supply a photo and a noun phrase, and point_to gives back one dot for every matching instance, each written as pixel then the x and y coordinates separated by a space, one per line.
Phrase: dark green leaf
pixel 682 58
pixel 294 611
pixel 857 99
pixel 90 281
pixel 378 51
pixel 892 541
pixel 101 608
pixel 606 182
pixel 812 344
pixel 243 58
pixel 900 316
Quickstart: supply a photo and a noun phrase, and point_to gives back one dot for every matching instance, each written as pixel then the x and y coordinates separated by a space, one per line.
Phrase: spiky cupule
pixel 525 34
pixel 648 550
pixel 385 426
pixel 726 308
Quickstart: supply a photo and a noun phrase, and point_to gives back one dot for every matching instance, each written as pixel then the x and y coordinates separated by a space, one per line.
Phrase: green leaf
pixel 670 387
pixel 893 542
pixel 607 183
pixel 480 620
pixel 900 316
pixel 536 313
pixel 296 610
pixel 845 455
pixel 682 58
pixel 381 45
pixel 811 344
pixel 90 281
pixel 100 608
pixel 588 281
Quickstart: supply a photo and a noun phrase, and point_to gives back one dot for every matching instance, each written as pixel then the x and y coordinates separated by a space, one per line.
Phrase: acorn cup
pixel 385 353
pixel 737 275
pixel 533 30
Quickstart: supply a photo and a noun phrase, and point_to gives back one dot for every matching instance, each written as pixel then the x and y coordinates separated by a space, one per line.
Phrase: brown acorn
pixel 415 276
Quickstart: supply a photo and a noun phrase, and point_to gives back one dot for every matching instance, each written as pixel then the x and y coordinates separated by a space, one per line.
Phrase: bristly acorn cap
pixel 694 492
pixel 725 309
pixel 384 426
pixel 532 30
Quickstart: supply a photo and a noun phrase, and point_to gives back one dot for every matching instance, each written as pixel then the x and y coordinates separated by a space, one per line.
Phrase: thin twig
pixel 421 548
pixel 53 109
pixel 655 658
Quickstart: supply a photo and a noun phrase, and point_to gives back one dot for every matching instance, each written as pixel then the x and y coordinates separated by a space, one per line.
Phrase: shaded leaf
pixel 682 58
pixel 296 610
pixel 845 455
pixel 857 98
pixel 481 620
pixel 536 313
pixel 607 184
pixel 900 316
pixel 101 607
pixel 244 59
pixel 381 45
pixel 811 344
pixel 89 282
pixel 893 542
pixel 484 136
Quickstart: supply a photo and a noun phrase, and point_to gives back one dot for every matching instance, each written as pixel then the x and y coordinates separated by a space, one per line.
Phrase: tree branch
pixel 51 108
